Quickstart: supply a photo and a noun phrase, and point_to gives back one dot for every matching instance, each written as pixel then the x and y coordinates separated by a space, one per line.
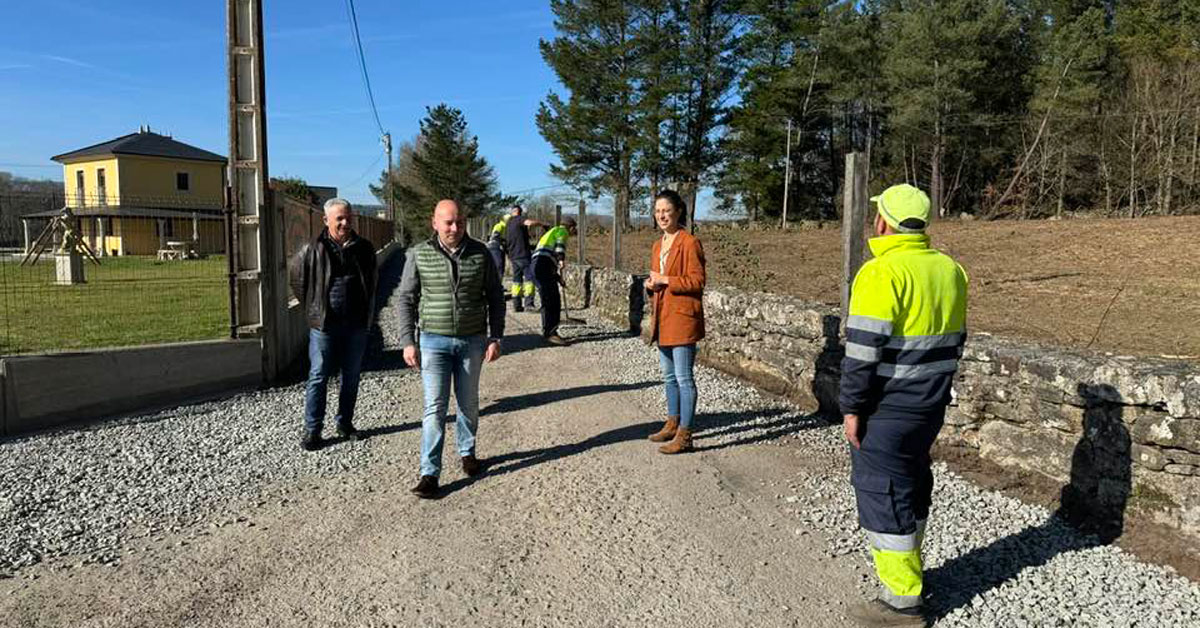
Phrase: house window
pixel 182 181
pixel 79 187
pixel 101 194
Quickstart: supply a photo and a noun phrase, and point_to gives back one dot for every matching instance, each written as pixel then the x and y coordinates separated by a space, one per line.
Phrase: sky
pixel 76 73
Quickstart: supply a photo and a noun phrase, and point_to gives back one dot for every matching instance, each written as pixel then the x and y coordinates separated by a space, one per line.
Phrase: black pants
pixel 497 258
pixel 545 274
pixel 522 280
pixel 891 474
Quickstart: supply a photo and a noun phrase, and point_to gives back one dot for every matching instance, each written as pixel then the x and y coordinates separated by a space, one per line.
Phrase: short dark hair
pixel 676 201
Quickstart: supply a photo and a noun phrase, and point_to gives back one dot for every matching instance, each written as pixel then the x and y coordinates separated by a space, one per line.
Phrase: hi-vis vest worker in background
pixel 548 260
pixel 904 337
pixel 496 242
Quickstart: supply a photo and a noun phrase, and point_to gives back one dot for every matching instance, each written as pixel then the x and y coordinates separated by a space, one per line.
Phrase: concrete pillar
pixel 28 240
pixel 68 268
pixel 100 237
pixel 196 232
pixel 162 233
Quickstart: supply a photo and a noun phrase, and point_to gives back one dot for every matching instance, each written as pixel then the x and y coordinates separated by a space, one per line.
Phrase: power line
pixel 362 63
pixel 364 172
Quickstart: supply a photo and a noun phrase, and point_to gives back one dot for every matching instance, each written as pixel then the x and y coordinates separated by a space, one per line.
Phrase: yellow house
pixel 137 193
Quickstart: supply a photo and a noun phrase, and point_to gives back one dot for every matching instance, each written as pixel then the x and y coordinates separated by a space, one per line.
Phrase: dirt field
pixel 1048 281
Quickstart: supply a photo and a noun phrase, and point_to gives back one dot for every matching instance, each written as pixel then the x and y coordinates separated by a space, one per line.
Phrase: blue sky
pixel 75 73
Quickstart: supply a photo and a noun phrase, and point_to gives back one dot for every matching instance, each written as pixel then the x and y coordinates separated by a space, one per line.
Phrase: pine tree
pixel 444 162
pixel 596 130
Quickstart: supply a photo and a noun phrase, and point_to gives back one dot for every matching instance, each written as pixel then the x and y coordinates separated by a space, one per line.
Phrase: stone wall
pixel 1120 433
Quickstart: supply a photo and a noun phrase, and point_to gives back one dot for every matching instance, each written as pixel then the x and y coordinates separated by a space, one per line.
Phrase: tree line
pixel 1000 108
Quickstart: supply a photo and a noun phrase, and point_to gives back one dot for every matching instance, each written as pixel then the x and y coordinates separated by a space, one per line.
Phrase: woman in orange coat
pixel 676 286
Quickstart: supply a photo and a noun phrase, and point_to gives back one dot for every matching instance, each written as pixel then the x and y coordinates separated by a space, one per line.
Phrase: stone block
pixel 1046 452
pixel 1181 469
pixel 1150 458
pixel 1160 428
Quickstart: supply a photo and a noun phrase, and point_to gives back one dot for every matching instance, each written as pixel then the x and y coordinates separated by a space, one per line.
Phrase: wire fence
pixel 125 271
pixel 109 272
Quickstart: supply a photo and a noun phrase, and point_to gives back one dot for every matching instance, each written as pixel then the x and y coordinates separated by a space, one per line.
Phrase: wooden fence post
pixel 582 231
pixel 557 215
pixel 854 222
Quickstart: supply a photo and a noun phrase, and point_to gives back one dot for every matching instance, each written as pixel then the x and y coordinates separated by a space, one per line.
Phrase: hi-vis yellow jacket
pixel 553 244
pixel 906 330
pixel 498 230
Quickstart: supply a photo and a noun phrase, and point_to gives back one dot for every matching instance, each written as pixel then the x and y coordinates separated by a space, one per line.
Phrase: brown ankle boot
pixel 681 443
pixel 667 432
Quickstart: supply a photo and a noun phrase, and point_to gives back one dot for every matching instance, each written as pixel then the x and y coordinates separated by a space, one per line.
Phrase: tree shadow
pixel 597 336
pixel 709 426
pixel 1091 512
pixel 546 397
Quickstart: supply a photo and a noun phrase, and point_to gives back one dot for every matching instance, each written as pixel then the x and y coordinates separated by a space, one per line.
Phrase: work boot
pixel 557 340
pixel 667 432
pixel 311 441
pixel 680 443
pixel 518 306
pixel 472 466
pixel 426 488
pixel 347 431
pixel 880 614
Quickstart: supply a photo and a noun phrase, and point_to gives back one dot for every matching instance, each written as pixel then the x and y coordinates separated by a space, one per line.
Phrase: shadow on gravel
pixel 598 336
pixel 518 460
pixel 1091 512
pixel 521 402
pixel 713 425
pixel 376 357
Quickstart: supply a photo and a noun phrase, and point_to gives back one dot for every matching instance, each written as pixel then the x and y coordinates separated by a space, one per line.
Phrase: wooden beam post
pixel 582 232
pixel 854 222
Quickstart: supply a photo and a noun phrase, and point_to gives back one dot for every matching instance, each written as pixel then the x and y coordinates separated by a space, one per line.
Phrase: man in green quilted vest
pixel 452 287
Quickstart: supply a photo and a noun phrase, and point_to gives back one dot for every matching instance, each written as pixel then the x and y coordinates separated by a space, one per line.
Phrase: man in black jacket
pixel 334 277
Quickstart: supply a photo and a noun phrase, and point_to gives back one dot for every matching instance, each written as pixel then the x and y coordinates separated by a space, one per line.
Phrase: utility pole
pixel 787 173
pixel 391 195
pixel 257 277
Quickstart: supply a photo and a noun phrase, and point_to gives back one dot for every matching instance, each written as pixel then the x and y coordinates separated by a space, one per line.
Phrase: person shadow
pixel 707 425
pixel 1091 512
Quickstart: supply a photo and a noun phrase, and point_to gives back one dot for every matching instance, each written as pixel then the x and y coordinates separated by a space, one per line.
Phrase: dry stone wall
pixel 1120 433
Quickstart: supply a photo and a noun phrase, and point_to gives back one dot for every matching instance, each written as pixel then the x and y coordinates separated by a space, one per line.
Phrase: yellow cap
pixel 904 208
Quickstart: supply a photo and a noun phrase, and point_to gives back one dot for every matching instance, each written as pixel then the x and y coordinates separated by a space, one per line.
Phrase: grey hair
pixel 334 202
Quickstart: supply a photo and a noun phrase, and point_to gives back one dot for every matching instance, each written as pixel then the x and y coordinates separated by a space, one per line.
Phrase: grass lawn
pixel 126 301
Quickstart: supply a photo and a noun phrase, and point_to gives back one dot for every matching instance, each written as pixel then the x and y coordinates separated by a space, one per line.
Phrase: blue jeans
pixel 446 360
pixel 676 363
pixel 330 352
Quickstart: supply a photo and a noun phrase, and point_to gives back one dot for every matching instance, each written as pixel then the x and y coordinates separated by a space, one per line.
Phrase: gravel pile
pixel 85 492
pixel 990 560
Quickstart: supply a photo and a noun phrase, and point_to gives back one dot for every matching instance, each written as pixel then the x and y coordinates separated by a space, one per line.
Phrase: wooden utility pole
pixel 257 264
pixel 787 173
pixel 854 222
pixel 557 215
pixel 397 227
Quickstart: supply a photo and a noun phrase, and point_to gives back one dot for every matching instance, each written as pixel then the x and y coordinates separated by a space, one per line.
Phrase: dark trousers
pixel 328 353
pixel 522 280
pixel 545 274
pixel 497 258
pixel 891 474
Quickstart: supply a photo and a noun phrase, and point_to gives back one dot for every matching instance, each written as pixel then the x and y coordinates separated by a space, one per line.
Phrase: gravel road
pixel 210 515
